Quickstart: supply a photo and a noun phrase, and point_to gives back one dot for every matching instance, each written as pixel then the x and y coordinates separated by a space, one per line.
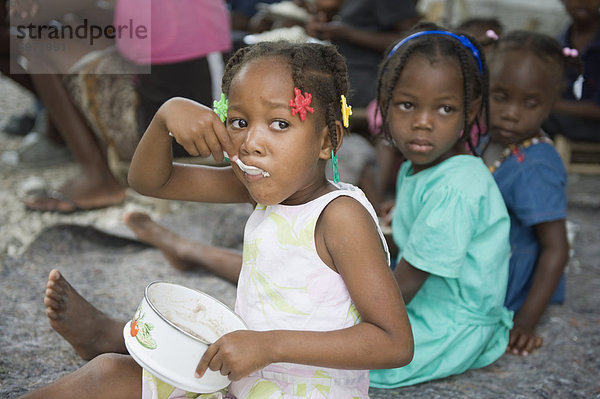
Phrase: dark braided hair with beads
pixel 546 48
pixel 435 46
pixel 318 69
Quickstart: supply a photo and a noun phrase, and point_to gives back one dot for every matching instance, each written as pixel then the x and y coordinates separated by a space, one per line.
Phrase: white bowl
pixel 170 331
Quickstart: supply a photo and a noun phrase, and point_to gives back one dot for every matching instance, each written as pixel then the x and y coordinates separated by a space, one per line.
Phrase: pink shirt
pixel 171 30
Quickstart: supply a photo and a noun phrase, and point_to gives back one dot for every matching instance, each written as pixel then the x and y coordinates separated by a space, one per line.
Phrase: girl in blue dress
pixel 450 222
pixel 527 75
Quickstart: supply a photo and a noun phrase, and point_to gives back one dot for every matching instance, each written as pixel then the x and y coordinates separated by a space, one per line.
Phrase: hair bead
pixel 570 52
pixel 491 34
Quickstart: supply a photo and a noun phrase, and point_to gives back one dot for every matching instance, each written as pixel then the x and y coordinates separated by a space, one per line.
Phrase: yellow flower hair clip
pixel 220 107
pixel 346 111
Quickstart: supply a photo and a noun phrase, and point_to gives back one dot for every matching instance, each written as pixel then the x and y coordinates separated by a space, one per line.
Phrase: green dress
pixel 451 222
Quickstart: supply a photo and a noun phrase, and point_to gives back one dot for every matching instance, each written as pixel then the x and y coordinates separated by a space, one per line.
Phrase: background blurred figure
pixel 477 27
pixel 527 73
pixel 101 114
pixel 577 115
pixel 18 125
pixel 362 30
pixel 44 146
pixel 480 28
pixel 242 13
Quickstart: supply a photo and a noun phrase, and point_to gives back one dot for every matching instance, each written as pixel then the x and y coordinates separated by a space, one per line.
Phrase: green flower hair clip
pixel 220 107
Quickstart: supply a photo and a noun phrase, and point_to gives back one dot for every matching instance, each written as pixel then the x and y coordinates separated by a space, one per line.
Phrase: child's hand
pixel 522 340
pixel 236 354
pixel 196 128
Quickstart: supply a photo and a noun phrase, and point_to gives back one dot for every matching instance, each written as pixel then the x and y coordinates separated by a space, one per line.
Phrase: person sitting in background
pixel 242 13
pixel 42 145
pixel 527 72
pixel 577 114
pixel 18 124
pixel 363 31
pixel 99 113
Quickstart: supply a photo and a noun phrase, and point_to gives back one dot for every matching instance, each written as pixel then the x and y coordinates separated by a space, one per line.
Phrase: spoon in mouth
pixel 251 170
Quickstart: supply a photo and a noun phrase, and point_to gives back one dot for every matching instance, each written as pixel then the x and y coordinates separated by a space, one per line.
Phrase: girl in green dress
pixel 450 222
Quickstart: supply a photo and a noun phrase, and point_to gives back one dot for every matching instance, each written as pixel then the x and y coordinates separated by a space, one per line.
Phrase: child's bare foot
pixel 84 193
pixel 89 331
pixel 179 252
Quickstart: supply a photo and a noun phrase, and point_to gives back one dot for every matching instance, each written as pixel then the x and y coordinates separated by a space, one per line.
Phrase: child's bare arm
pixel 579 109
pixel 409 278
pixel 383 338
pixel 199 130
pixel 549 269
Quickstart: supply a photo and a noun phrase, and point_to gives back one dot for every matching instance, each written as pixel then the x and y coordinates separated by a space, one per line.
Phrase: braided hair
pixel 546 48
pixel 318 69
pixel 475 81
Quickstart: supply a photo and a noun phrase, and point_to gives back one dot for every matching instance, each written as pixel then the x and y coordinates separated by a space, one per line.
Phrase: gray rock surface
pixel 111 270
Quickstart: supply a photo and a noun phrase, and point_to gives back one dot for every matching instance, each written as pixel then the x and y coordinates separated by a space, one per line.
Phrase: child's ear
pixel 326 144
pixel 474 109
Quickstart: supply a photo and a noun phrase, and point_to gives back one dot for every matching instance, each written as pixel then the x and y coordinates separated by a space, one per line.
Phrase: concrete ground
pixel 94 252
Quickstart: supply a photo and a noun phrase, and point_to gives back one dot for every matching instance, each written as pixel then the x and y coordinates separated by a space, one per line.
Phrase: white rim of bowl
pixel 169 322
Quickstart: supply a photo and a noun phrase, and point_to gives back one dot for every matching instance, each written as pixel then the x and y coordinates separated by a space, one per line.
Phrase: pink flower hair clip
pixel 570 52
pixel 301 104
pixel 491 34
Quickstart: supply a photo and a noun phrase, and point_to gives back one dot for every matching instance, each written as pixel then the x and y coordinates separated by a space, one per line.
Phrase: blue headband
pixel 462 39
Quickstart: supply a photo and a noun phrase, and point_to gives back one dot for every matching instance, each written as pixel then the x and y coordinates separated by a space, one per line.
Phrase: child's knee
pixel 113 367
pixel 113 373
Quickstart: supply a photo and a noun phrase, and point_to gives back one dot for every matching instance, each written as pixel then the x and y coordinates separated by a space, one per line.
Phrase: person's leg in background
pixel 96 186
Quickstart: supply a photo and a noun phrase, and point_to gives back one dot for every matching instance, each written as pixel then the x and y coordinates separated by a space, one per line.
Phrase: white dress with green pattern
pixel 284 285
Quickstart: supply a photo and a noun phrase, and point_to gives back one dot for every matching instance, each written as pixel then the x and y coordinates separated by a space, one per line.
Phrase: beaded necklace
pixel 517 150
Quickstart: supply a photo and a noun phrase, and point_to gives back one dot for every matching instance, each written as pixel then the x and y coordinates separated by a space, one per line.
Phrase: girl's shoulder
pixel 460 171
pixel 349 212
pixel 457 164
pixel 464 164
pixel 543 152
pixel 462 179
pixel 541 170
pixel 534 162
pixel 351 191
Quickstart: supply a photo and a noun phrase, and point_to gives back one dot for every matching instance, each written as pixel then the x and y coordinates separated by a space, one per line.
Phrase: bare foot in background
pixel 89 331
pixel 84 193
pixel 182 253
